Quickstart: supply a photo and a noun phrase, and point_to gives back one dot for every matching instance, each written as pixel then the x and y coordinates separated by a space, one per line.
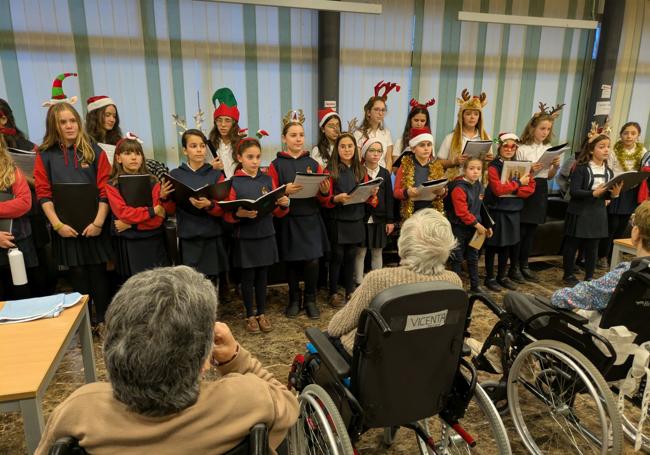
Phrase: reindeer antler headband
pixel 293 116
pixel 554 112
pixel 416 104
pixel 387 87
pixel 596 130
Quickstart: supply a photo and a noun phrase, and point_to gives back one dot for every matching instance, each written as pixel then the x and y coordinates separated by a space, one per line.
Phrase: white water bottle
pixel 17 266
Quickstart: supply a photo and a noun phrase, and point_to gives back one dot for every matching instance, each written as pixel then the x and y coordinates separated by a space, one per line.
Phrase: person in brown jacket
pixel 424 245
pixel 160 337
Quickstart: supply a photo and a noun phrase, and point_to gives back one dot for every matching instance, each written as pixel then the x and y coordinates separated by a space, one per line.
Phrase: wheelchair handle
pixel 485 300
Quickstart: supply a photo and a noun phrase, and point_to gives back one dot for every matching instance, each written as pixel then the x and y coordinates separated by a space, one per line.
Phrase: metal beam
pixel 526 20
pixel 320 5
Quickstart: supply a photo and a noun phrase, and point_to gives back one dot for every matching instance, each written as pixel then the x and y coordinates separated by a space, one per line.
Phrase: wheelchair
pixel 560 374
pixel 256 443
pixel 407 370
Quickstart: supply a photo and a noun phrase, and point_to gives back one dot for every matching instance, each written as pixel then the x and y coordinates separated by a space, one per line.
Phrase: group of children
pixel 302 231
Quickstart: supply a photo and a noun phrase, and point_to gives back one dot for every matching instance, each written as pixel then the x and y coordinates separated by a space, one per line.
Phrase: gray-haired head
pixel 159 332
pixel 425 242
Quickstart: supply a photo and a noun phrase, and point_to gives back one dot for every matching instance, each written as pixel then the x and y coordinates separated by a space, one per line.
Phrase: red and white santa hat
pixel 508 136
pixel 97 102
pixel 418 135
pixel 325 114
pixel 366 145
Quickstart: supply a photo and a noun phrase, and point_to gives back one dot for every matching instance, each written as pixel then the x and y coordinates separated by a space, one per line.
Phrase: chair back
pixel 407 351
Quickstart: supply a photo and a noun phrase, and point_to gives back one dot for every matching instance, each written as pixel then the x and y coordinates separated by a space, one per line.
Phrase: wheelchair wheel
pixel 486 426
pixel 560 403
pixel 320 428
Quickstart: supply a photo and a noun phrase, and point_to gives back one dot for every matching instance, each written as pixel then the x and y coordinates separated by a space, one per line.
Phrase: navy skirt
pixel 625 204
pixel 301 238
pixel 506 228
pixel 534 211
pixel 79 251
pixel 376 235
pixel 136 255
pixel 347 232
pixel 207 255
pixel 249 253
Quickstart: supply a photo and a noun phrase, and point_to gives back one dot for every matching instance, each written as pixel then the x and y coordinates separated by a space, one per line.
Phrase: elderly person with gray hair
pixel 424 245
pixel 161 335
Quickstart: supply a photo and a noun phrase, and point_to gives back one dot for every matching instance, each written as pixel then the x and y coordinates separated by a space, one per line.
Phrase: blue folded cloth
pixel 39 307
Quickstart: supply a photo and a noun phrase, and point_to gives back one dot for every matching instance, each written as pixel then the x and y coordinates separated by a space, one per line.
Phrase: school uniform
pixel 586 216
pixel 64 165
pixel 421 174
pixel 302 235
pixel 382 134
pixel 505 212
pixel 85 256
pixel 17 208
pixel 535 207
pixel 620 209
pixel 200 230
pixel 142 246
pixel 463 209
pixel 255 244
pixel 375 220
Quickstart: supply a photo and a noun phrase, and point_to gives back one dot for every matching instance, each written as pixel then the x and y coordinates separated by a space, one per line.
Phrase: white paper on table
pixel 363 191
pixel 426 191
pixel 310 184
pixel 109 149
pixel 549 155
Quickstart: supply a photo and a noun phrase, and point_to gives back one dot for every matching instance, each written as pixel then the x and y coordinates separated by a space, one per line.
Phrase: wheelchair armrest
pixel 492 306
pixel 259 440
pixel 332 359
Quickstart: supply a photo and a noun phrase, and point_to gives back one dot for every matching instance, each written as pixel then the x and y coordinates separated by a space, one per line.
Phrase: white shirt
pixel 533 152
pixel 383 134
pixel 315 154
pixel 225 153
pixel 599 174
pixel 445 147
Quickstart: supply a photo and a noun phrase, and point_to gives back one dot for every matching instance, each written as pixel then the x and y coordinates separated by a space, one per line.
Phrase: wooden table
pixel 621 246
pixel 30 354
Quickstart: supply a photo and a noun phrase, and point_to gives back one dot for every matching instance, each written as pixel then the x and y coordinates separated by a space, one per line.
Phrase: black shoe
pixel 492 285
pixel 311 308
pixel 529 275
pixel 476 290
pixel 505 282
pixel 570 280
pixel 294 306
pixel 515 275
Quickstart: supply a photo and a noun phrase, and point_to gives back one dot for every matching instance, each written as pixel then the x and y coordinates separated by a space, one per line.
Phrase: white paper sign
pixel 603 108
pixel 606 91
pixel 425 321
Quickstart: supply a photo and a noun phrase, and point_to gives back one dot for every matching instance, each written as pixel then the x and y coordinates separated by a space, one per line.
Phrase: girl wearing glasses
pixel 505 211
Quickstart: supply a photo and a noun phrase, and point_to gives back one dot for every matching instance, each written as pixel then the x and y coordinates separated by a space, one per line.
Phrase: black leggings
pixel 527 232
pixel 309 271
pixel 503 252
pixel 253 282
pixel 590 249
pixel 342 261
pixel 92 279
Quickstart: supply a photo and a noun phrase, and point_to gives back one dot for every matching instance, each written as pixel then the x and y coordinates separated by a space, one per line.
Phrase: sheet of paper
pixel 427 192
pixel 362 192
pixel 606 91
pixel 310 185
pixel 477 240
pixel 477 149
pixel 603 108
pixel 547 158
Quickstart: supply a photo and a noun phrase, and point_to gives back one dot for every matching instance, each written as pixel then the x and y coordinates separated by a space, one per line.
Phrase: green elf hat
pixel 58 96
pixel 227 104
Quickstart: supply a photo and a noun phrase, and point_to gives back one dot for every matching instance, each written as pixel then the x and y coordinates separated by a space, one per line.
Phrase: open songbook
pixel 310 183
pixel 427 191
pixel 264 204
pixel 182 192
pixel 363 191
